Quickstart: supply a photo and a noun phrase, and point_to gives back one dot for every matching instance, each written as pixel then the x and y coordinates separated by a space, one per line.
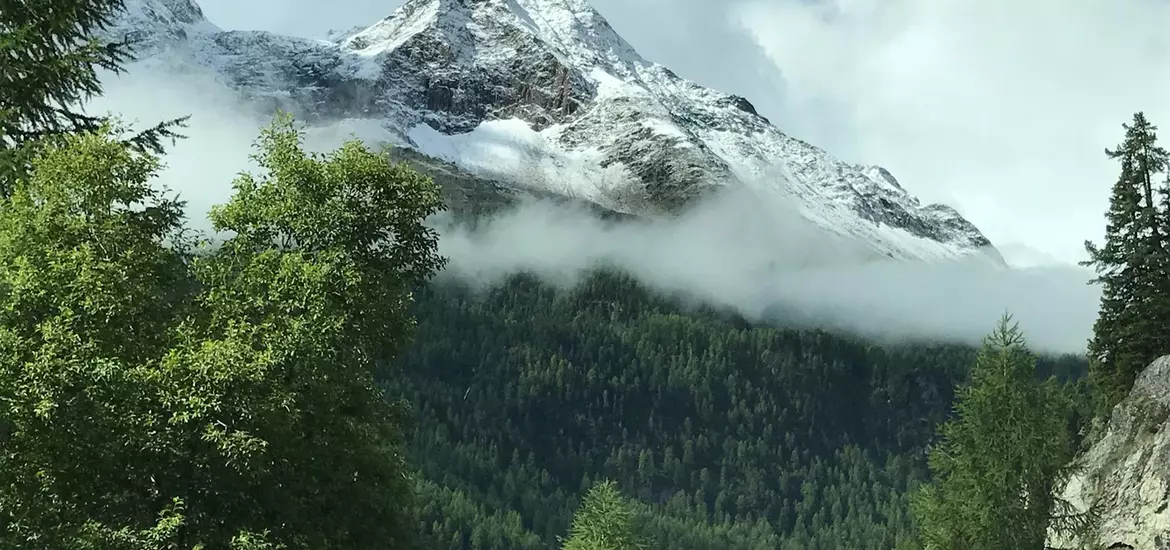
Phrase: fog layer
pixel 735 250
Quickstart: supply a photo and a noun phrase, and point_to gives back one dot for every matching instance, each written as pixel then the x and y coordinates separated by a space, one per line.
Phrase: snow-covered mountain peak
pixel 545 94
pixel 153 21
pixel 579 30
pixel 571 27
pixel 389 33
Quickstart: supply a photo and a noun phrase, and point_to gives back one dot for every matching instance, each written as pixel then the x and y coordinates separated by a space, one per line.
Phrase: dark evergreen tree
pixel 777 438
pixel 53 51
pixel 605 521
pixel 1132 268
pixel 1001 457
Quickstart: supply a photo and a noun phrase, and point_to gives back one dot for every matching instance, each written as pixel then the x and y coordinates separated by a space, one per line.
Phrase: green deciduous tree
pixel 155 395
pixel 605 521
pixel 53 52
pixel 1133 268
pixel 86 297
pixel 1000 457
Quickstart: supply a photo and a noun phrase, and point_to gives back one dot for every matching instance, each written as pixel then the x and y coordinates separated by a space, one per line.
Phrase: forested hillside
pixel 731 435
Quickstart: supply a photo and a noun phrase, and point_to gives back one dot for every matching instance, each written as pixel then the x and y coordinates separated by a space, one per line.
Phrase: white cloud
pixel 999 107
pixel 725 251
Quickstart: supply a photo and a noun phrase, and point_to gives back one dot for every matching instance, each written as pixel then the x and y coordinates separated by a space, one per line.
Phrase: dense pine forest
pixel 730 435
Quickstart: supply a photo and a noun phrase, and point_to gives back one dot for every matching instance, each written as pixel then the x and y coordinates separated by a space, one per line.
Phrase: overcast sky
pixel 1000 108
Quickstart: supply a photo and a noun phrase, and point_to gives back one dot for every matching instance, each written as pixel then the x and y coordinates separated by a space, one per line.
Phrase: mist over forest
pixel 735 250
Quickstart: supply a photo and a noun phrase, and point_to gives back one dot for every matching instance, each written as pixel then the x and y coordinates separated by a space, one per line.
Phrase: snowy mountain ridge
pixel 545 94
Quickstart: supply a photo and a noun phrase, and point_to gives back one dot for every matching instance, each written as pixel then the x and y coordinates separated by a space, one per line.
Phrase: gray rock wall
pixel 1124 478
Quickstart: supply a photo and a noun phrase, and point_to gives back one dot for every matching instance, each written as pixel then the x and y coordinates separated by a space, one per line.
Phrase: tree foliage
pixel 1002 456
pixel 1133 267
pixel 158 395
pixel 86 298
pixel 728 434
pixel 53 54
pixel 605 521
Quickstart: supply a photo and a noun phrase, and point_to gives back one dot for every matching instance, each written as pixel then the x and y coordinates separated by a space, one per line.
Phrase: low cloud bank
pixel 734 250
pixel 729 253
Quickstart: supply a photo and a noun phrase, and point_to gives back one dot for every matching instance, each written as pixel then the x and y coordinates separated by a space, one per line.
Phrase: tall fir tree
pixel 1000 457
pixel 605 521
pixel 53 51
pixel 1132 267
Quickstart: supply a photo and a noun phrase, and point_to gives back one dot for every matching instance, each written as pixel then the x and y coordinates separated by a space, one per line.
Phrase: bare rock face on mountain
pixel 1124 478
pixel 544 94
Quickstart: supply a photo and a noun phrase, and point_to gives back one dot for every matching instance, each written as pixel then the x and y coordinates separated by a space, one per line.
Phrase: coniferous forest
pixel 314 381
pixel 728 435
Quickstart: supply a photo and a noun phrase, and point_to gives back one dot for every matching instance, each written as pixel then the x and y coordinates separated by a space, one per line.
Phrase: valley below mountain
pixel 479 276
pixel 729 434
pixel 650 282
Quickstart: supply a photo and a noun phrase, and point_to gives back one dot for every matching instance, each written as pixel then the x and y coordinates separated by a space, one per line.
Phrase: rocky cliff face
pixel 545 94
pixel 1124 478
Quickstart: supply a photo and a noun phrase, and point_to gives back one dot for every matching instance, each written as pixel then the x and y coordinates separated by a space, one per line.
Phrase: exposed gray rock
pixel 1124 477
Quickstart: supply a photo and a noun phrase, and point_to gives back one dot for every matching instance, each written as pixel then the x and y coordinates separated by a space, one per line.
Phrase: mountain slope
pixel 545 94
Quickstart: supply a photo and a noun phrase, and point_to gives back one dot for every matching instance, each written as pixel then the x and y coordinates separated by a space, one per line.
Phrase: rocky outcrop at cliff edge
pixel 1123 480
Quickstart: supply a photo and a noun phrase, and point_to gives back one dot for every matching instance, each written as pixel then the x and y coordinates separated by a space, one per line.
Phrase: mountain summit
pixel 545 94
